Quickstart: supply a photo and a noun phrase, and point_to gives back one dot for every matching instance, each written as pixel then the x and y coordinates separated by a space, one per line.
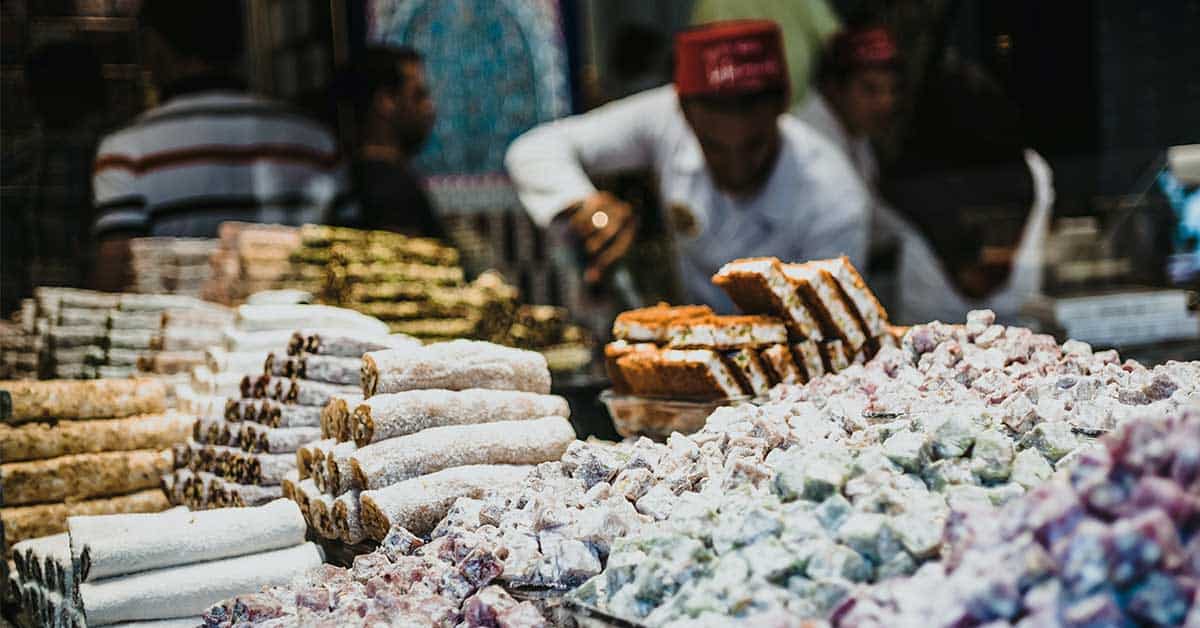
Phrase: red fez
pixel 864 48
pixel 730 58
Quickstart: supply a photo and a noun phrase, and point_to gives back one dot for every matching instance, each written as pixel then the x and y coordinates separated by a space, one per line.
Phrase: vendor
pixel 394 112
pixel 739 177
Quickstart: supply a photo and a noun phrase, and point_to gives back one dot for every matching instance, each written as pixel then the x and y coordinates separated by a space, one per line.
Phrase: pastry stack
pixel 432 424
pixel 76 448
pixel 253 257
pixel 801 321
pixel 270 389
pixel 165 568
pixel 170 265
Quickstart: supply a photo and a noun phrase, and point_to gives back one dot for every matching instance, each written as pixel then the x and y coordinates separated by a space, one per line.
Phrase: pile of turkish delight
pixel 443 583
pixel 1117 543
pixel 853 477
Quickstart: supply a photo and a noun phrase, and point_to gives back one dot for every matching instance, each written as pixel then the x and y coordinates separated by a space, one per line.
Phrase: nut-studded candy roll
pixel 455 365
pixel 352 345
pixel 34 400
pixel 81 476
pixel 399 414
pixel 347 518
pixel 282 415
pixel 335 416
pixel 305 491
pixel 288 485
pixel 39 441
pixel 506 442
pixel 250 495
pixel 339 474
pixel 419 503
pixel 268 469
pixel 305 456
pixel 309 393
pixel 320 512
pixel 281 440
pixel 330 369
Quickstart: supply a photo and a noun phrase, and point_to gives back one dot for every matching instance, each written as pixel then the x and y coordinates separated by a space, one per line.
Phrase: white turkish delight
pixel 737 527
pixel 831 560
pixel 833 511
pixel 1052 439
pixel 907 449
pixel 657 502
pixel 992 456
pixel 954 437
pixel 1030 468
pixel 632 483
pixel 869 534
pixel 590 463
pixel 944 473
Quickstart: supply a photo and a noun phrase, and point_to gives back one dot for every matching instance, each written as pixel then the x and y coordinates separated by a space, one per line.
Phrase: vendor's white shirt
pixel 812 206
pixel 926 292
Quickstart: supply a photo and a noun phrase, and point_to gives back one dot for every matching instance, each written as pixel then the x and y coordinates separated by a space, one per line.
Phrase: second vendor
pixel 739 177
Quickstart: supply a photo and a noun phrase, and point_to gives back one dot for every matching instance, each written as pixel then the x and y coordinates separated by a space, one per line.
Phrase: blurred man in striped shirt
pixel 211 152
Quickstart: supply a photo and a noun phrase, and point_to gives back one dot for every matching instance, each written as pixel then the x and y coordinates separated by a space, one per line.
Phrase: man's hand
pixel 607 227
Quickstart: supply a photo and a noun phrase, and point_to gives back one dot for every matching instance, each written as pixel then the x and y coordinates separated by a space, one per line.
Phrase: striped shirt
pixel 205 157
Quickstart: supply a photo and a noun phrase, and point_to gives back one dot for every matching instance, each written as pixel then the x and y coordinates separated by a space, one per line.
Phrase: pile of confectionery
pixel 164 568
pixel 801 321
pixel 804 507
pixel 1114 543
pixel 416 285
pixel 853 478
pixel 170 265
pixel 69 333
pixel 265 399
pixel 433 424
pixel 82 448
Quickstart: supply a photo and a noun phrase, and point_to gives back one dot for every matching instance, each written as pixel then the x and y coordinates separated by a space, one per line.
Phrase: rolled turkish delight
pixel 306 455
pixel 347 519
pixel 419 503
pixel 41 520
pixel 268 468
pixel 249 495
pixel 277 414
pixel 281 440
pixel 38 441
pixel 320 514
pixel 190 589
pixel 455 365
pixel 34 400
pixel 348 344
pixel 398 414
pixel 309 393
pixel 114 545
pixel 82 476
pixel 506 442
pixel 335 416
pixel 330 369
pixel 339 473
